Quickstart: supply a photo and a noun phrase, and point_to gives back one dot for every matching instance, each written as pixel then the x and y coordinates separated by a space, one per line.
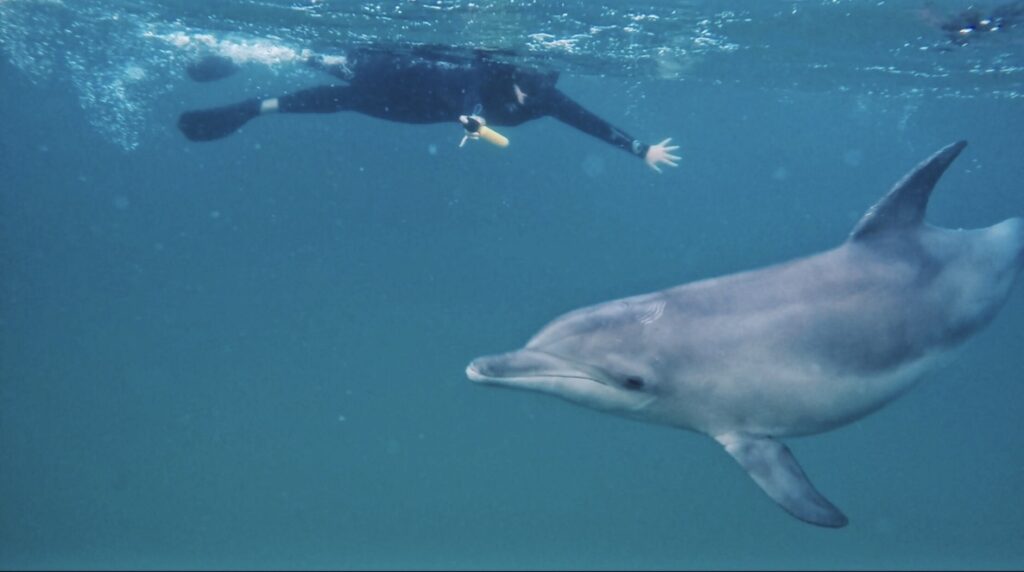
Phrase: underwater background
pixel 250 353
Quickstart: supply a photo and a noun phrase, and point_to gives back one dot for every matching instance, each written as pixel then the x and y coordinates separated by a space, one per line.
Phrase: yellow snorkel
pixel 476 128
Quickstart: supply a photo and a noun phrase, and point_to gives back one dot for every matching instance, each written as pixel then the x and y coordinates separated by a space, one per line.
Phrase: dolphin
pixel 793 349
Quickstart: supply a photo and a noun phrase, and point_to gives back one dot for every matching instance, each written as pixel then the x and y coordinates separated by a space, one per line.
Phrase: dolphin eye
pixel 634 383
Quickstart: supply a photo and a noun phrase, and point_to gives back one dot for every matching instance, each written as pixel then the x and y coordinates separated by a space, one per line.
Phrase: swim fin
pixel 210 124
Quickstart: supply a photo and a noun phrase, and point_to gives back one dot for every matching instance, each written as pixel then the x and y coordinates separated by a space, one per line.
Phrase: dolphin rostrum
pixel 793 349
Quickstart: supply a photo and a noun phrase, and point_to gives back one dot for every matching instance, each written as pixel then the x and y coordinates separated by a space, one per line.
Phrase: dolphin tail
pixel 904 206
pixel 776 471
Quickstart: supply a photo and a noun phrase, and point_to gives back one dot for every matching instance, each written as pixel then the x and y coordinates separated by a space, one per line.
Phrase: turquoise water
pixel 251 353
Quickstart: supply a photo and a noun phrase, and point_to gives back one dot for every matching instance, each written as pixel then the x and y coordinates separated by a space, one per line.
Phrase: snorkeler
pixel 429 88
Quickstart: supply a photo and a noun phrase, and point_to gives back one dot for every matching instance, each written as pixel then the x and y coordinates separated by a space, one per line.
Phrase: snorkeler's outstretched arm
pixel 661 154
pixel 564 109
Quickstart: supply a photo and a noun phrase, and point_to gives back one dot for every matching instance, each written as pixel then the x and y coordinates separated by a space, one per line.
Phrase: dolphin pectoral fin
pixel 776 471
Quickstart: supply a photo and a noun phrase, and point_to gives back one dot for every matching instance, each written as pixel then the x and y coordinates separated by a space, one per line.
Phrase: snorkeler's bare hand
pixel 661 154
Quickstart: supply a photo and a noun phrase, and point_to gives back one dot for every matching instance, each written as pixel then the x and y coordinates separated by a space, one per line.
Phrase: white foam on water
pixel 116 72
pixel 239 50
pixel 119 63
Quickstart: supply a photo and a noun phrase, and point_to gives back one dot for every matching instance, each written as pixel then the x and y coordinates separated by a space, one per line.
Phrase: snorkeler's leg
pixel 320 99
pixel 210 124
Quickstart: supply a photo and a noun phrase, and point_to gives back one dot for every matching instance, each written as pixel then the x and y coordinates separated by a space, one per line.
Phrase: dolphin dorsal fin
pixel 904 206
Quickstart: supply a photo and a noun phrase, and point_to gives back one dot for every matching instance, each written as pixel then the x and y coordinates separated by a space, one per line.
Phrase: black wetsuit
pixel 416 89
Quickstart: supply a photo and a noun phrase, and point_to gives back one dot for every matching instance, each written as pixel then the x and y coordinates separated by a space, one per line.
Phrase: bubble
pixel 432 149
pixel 908 111
pixel 117 70
pixel 26 36
pixel 593 166
pixel 134 73
pixel 121 203
pixel 780 173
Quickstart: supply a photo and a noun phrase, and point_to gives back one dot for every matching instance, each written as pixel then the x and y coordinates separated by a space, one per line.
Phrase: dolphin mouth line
pixel 598 381
pixel 474 374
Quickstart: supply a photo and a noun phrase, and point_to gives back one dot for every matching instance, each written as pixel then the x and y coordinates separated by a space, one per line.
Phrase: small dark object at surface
pixel 211 68
pixel 970 23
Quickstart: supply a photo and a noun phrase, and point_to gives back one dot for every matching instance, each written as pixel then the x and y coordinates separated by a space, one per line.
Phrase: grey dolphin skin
pixel 794 349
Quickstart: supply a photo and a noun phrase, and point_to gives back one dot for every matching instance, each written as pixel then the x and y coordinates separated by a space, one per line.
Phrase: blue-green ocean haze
pixel 250 353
